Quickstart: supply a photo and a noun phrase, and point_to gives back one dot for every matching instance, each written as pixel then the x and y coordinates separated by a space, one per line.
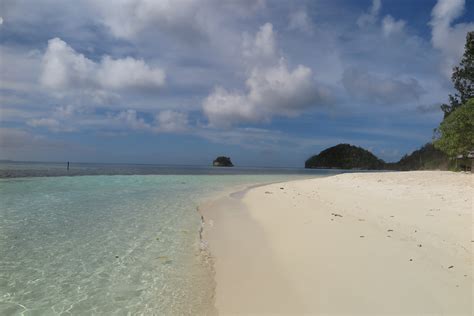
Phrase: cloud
pixel 8 114
pixel 166 121
pixel 273 91
pixel 14 139
pixel 70 119
pixel 225 67
pixel 448 38
pixel 19 144
pixel 391 26
pixel 19 70
pixel 131 120
pixel 44 122
pixel 299 20
pixel 185 19
pixel 51 124
pixel 66 118
pixel 224 107
pixel 241 7
pixel 371 16
pixel 272 88
pixel 378 89
pixel 129 73
pixel 65 111
pixel 64 69
pixel 129 17
pixel 283 91
pixel 262 47
pixel 171 121
pixel 445 11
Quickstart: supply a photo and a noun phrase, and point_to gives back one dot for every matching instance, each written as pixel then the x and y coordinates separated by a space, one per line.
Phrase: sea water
pixel 109 244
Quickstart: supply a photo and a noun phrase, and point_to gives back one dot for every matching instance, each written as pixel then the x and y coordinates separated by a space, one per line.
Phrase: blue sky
pixel 265 82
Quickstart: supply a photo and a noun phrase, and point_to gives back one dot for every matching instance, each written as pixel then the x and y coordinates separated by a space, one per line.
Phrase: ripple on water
pixel 107 244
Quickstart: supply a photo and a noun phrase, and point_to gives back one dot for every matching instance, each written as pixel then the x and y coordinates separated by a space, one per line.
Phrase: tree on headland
pixel 457 131
pixel 463 78
pixel 427 157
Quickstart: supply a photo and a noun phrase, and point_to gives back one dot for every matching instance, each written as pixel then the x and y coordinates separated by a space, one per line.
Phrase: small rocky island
pixel 222 162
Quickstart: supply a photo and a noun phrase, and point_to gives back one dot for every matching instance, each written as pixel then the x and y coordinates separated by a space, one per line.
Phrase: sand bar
pixel 368 243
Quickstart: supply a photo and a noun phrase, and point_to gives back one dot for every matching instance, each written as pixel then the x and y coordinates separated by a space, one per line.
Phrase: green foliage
pixel 463 78
pixel 426 158
pixel 457 131
pixel 345 156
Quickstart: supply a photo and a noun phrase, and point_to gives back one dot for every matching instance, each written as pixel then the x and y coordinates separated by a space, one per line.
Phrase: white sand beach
pixel 397 243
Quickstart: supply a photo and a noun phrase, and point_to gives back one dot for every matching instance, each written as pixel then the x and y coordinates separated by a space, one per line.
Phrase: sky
pixel 268 83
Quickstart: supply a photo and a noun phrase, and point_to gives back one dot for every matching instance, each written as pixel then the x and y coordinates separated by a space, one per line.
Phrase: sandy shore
pixel 366 243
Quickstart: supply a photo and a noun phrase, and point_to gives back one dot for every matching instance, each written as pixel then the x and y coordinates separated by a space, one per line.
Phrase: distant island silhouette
pixel 222 161
pixel 346 156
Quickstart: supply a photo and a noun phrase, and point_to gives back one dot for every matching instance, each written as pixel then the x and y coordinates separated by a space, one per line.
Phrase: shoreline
pixel 353 243
pixel 209 202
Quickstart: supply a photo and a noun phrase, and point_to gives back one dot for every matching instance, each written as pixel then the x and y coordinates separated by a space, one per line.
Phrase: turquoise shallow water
pixel 124 244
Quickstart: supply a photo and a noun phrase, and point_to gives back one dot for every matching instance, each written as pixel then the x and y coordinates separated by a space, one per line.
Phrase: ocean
pixel 111 239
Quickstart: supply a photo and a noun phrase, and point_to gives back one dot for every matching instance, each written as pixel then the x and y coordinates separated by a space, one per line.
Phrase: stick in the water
pixel 68 165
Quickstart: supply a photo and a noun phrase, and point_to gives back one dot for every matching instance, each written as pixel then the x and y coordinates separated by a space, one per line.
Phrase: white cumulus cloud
pixel 272 91
pixel 262 47
pixel 272 88
pixel 129 72
pixel 445 36
pixel 64 68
